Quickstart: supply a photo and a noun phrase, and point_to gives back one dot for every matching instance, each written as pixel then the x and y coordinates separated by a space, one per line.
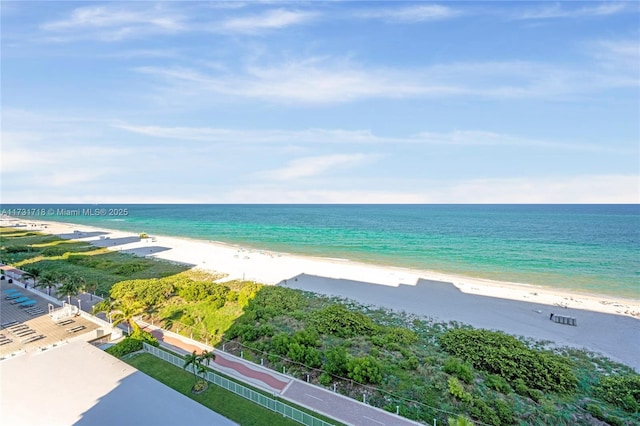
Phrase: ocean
pixel 584 248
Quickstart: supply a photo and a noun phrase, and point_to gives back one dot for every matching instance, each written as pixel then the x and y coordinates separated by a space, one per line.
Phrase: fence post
pixel 245 392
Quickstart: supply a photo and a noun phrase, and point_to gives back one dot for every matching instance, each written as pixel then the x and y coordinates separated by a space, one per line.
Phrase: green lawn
pixel 219 400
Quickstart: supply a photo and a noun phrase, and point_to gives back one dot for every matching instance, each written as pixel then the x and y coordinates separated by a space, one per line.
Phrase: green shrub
pixel 306 355
pixel 124 347
pixel 504 411
pixel 246 332
pixel 615 421
pixel 457 390
pixel 130 268
pixel 247 293
pixel 296 352
pixel 312 357
pixel 307 337
pixel 272 301
pixel 410 363
pixel 149 292
pixel 364 370
pixel 400 336
pixel 280 343
pixel 54 251
pixel 324 379
pixel 520 387
pixel 132 344
pixel 459 369
pixel 483 412
pixel 339 321
pixel 336 361
pixel 596 411
pixel 194 291
pixel 18 249
pixel 497 383
pixel 506 356
pixel 623 391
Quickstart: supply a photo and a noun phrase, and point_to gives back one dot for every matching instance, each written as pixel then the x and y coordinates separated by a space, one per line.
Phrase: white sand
pixel 518 309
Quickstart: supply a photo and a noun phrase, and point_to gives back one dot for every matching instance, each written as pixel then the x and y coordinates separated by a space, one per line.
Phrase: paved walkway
pixel 320 400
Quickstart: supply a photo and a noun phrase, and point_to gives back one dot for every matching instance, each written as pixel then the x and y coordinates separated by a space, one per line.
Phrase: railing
pixel 243 391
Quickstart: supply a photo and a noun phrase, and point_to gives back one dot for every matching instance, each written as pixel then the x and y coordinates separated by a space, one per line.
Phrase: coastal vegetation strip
pixel 398 362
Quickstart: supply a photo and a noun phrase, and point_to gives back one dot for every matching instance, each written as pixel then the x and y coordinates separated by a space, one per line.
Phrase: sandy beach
pixel 605 325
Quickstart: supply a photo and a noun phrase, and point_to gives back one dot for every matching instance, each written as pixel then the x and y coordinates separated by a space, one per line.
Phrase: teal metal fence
pixel 243 391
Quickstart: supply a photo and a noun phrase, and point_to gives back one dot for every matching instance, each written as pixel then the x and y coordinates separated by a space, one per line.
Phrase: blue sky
pixel 320 102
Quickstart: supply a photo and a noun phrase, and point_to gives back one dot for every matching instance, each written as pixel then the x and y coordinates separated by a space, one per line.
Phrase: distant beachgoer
pixel 25 285
pixel 551 316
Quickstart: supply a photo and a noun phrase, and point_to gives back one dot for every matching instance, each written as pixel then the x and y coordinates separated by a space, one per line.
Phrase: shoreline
pixel 272 268
pixel 605 325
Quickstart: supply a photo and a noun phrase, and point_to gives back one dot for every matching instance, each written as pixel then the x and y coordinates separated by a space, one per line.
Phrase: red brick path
pixel 223 361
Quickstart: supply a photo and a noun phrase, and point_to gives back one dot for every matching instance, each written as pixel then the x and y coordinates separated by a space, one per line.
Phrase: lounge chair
pixel 28 303
pixel 10 290
pixel 76 328
pixel 33 338
pixel 8 324
pixel 20 300
pixel 18 327
pixel 5 342
pixel 14 296
pixel 66 322
pixel 25 332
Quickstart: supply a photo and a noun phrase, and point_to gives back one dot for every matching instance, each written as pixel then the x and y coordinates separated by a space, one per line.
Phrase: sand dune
pixel 606 325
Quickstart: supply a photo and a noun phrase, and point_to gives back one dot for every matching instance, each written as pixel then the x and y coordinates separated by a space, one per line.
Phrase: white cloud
pixel 587 189
pixel 266 136
pixel 272 19
pixel 325 80
pixel 557 10
pixel 114 23
pixel 624 54
pixel 354 137
pixel 312 166
pixel 267 194
pixel 410 14
pixel 304 81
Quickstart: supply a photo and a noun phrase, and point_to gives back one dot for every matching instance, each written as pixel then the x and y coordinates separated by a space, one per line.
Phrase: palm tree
pixel 48 281
pixel 459 421
pixel 124 310
pixel 105 306
pixel 199 365
pixel 193 360
pixel 69 288
pixel 80 282
pixel 204 359
pixel 32 274
pixel 91 287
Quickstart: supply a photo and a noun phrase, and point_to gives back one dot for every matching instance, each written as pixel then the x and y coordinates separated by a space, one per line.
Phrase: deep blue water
pixel 592 248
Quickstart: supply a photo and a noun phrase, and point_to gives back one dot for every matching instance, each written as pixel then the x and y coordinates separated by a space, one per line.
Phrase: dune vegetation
pixel 423 368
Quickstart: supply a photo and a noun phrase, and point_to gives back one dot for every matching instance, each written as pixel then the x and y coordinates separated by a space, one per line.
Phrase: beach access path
pixel 323 401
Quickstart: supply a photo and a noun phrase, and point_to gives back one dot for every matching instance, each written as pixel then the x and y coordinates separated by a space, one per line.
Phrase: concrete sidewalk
pixel 333 405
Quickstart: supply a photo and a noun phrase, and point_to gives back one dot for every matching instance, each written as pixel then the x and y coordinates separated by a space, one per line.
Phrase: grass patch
pixel 217 399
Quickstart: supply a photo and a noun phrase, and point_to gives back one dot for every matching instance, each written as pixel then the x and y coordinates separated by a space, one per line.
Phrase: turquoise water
pixel 590 248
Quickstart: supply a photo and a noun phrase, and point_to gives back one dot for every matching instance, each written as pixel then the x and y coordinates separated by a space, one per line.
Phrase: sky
pixel 320 102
